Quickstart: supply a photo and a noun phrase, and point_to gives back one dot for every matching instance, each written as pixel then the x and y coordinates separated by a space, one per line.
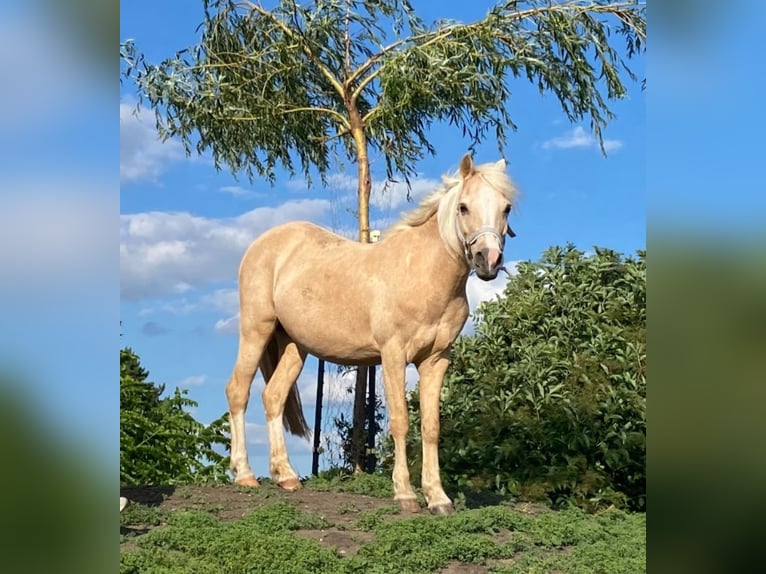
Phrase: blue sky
pixel 184 226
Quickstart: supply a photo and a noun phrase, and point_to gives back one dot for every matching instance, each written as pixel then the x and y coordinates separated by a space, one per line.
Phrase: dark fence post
pixel 359 415
pixel 371 420
pixel 318 418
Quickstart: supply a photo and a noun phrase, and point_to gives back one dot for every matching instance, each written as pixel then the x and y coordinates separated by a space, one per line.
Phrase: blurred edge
pixel 60 324
pixel 707 464
pixel 706 289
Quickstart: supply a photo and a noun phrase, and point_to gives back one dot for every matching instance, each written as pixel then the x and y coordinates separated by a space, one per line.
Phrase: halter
pixel 474 237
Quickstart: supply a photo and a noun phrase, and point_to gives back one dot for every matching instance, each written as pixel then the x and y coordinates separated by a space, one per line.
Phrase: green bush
pixel 547 400
pixel 161 443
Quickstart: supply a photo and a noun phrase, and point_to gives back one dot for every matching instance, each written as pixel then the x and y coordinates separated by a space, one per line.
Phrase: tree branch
pixel 326 72
pixel 338 116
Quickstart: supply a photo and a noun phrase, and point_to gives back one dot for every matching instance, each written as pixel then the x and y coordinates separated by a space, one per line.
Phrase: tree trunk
pixel 363 167
pixel 363 195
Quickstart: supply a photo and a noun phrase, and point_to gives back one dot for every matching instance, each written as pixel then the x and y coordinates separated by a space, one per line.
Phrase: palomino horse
pixel 401 300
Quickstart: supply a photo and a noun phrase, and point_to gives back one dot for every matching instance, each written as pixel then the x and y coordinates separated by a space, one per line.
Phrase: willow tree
pixel 307 85
pixel 320 81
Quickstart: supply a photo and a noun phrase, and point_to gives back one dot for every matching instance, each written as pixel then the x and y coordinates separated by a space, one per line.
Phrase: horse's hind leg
pixel 274 396
pixel 254 335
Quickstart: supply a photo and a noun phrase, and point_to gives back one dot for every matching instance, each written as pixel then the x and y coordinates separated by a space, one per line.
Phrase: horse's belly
pixel 336 338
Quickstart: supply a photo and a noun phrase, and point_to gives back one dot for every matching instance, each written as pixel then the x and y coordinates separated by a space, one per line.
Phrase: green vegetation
pixel 547 401
pixel 371 519
pixel 505 539
pixel 260 542
pixel 378 485
pixel 161 443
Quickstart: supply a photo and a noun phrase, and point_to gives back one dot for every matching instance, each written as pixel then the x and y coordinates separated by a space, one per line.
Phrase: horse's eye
pixel 463 208
pixel 507 210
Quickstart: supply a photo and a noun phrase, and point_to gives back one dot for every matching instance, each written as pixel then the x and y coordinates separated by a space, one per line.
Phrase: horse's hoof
pixel 290 484
pixel 409 505
pixel 248 482
pixel 441 509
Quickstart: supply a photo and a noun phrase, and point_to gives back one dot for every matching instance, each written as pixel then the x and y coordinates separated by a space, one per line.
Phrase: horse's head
pixel 483 206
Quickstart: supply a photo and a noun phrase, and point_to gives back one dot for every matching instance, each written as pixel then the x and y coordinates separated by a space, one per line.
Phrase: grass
pixel 377 485
pixel 369 520
pixel 503 538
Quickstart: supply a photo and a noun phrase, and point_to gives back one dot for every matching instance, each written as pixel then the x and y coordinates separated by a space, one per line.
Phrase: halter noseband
pixel 474 237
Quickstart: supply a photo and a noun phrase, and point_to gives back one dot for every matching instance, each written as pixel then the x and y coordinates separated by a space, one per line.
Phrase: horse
pixel 304 290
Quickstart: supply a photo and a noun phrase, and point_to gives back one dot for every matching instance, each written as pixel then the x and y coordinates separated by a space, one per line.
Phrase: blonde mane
pixel 444 199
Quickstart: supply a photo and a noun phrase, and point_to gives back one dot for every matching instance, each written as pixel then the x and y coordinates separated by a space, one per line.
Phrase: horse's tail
pixel 292 418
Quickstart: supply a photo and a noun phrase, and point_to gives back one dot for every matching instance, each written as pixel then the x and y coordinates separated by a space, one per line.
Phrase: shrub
pixel 161 443
pixel 547 400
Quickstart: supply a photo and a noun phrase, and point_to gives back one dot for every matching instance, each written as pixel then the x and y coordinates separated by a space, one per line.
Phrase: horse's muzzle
pixel 487 263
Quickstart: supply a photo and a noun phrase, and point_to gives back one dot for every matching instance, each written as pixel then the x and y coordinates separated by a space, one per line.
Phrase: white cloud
pixel 165 253
pixel 224 299
pixel 143 157
pixel 193 381
pixel 579 138
pixel 392 195
pixel 240 192
pixel 411 378
pixel 228 326
pixel 257 435
pixel 611 145
pixel 342 182
pixel 383 195
pixel 234 190
pixel 479 291
pixel 181 306
pixel 338 387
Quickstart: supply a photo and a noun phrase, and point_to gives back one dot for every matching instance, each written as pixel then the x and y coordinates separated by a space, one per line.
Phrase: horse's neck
pixel 435 258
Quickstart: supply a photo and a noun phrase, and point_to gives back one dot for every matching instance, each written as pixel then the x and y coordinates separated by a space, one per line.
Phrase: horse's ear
pixel 466 165
pixel 501 164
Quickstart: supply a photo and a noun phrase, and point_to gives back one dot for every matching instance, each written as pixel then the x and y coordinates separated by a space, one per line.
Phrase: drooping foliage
pixel 314 82
pixel 160 442
pixel 547 400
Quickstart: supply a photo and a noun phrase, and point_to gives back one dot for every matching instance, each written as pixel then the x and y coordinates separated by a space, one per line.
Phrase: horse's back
pixel 276 245
pixel 297 231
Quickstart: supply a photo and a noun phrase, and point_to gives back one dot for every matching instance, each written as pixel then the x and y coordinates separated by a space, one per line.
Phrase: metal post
pixel 357 430
pixel 371 420
pixel 318 418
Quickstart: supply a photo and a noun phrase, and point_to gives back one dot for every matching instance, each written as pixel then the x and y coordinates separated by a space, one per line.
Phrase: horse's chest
pixel 436 337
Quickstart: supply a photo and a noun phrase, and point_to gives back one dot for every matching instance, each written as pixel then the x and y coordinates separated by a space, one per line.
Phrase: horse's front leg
pixel 431 373
pixel 393 383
